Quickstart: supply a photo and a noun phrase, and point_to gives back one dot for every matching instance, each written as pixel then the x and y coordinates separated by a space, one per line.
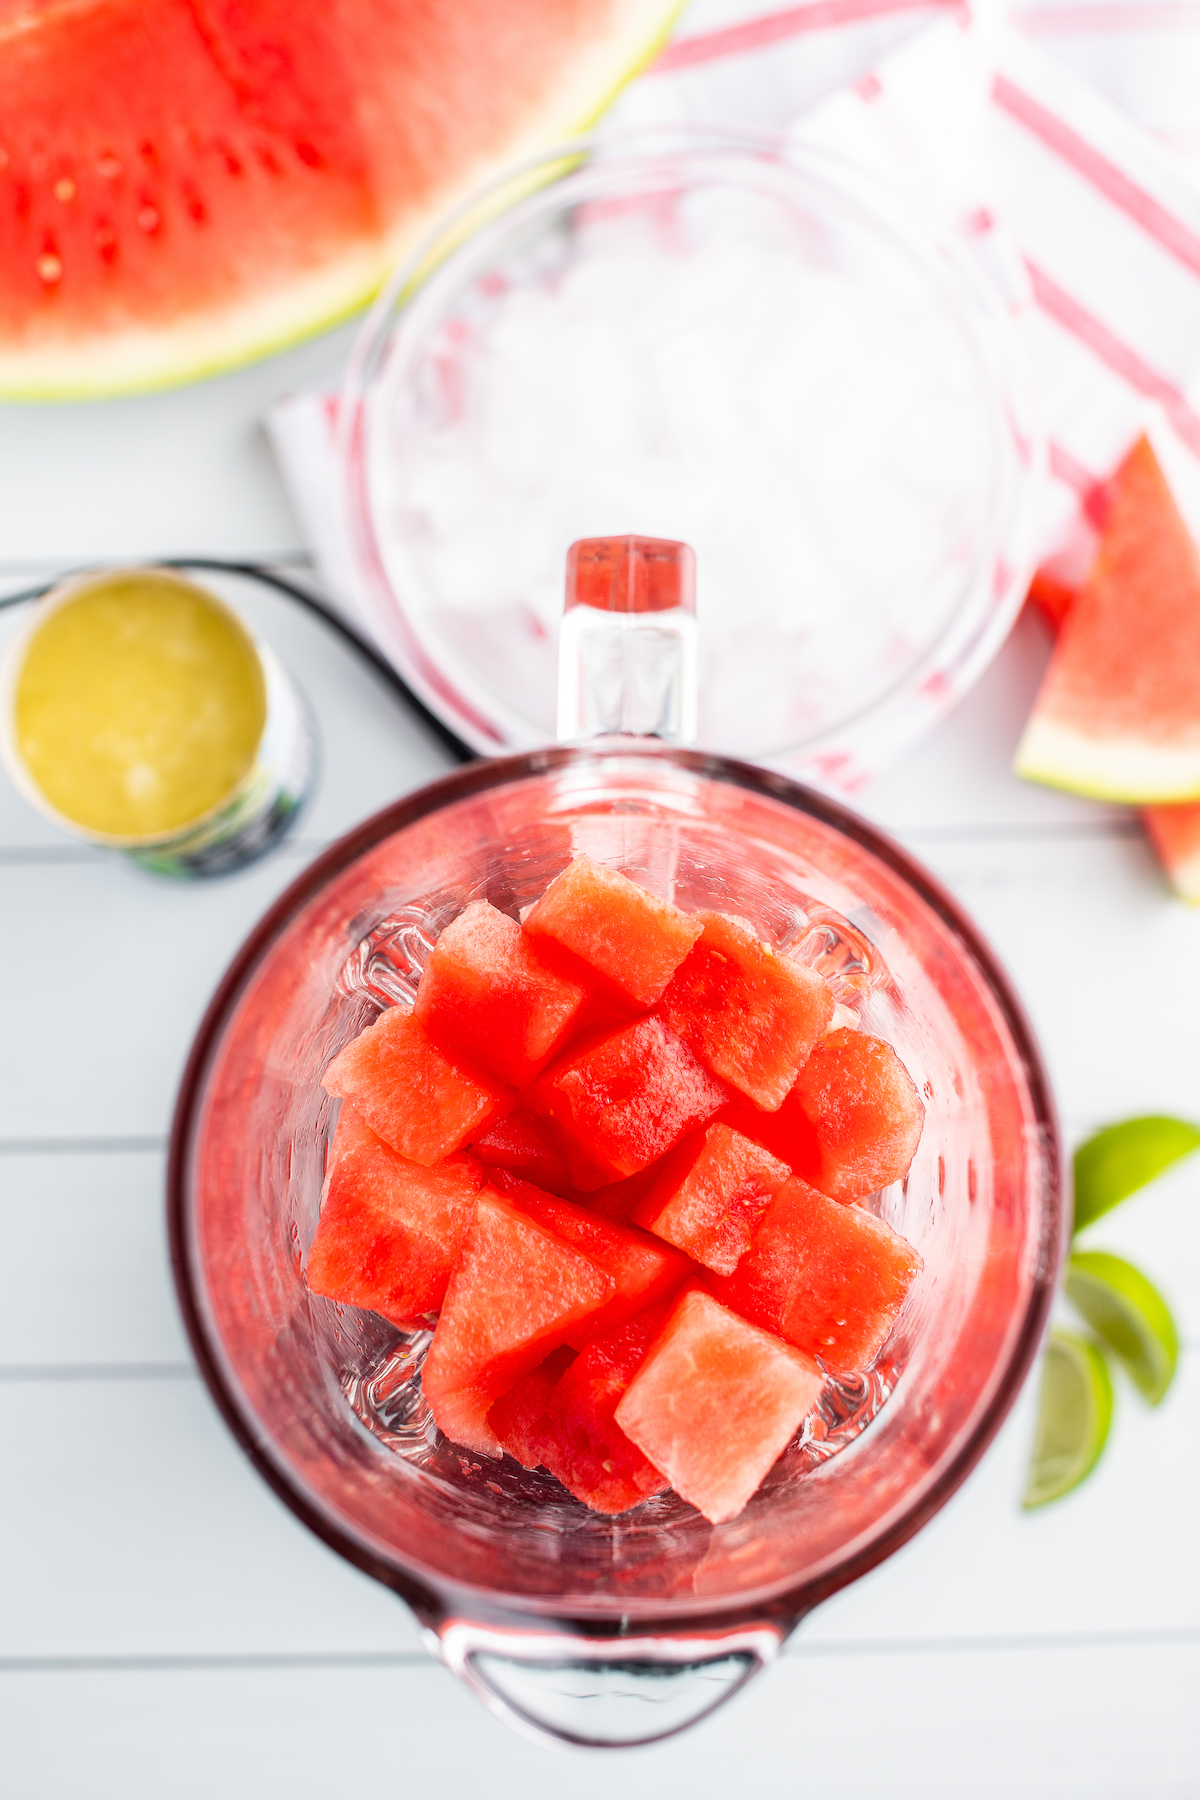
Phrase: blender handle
pixel 627 653
pixel 603 1691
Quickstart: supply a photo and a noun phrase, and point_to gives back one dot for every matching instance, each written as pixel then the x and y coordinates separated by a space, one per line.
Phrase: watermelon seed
pixel 64 189
pixel 107 166
pixel 607 1467
pixel 147 218
pixel 49 267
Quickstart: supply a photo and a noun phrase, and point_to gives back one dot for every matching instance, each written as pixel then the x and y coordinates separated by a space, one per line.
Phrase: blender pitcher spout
pixel 627 661
pixel 603 1692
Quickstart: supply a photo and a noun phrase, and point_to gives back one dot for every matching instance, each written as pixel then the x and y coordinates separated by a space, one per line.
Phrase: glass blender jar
pixel 599 1630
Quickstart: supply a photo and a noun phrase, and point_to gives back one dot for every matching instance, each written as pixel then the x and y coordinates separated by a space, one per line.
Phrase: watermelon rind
pixel 107 363
pixel 1175 834
pixel 1129 770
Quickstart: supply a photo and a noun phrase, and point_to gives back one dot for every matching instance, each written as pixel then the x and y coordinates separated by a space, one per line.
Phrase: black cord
pixel 256 572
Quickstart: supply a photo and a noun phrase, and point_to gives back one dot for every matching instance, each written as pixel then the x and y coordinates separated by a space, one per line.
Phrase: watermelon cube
pixel 865 1113
pixel 631 938
pixel 715 1403
pixel 625 1099
pixel 788 1134
pixel 490 995
pixel 711 1194
pixel 518 1418
pixel 421 1101
pixel 643 1269
pixel 350 1133
pixel 522 1144
pixel 514 1296
pixel 390 1231
pixel 829 1278
pixel 585 1447
pixel 751 1017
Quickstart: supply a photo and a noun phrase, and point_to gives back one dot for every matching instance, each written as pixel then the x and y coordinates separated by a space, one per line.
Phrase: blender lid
pixel 721 338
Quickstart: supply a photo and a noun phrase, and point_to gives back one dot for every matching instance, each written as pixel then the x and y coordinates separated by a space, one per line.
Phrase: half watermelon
pixel 188 184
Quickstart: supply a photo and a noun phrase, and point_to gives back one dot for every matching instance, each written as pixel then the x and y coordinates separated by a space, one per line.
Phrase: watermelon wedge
pixel 1175 833
pixel 1118 713
pixel 188 184
pixel 715 1402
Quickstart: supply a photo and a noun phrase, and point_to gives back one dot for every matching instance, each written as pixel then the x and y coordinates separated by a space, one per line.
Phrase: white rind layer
pixel 1127 769
pixel 188 349
pixel 1184 876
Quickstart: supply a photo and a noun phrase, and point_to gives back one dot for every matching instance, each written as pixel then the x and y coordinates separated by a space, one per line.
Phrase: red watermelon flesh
pixel 623 1100
pixel 831 1279
pixel 350 1133
pixel 634 940
pixel 751 1016
pixel 788 1134
pixel 715 1403
pixel 1118 713
pixel 422 1102
pixel 522 1144
pixel 866 1113
pixel 1174 831
pixel 643 1269
pixel 518 1418
pixel 711 1196
pixel 390 1231
pixel 515 1295
pixel 189 183
pixel 487 994
pixel 585 1448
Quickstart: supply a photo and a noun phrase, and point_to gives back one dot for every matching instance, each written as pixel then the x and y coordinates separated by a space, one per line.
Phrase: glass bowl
pixel 566 1621
pixel 713 336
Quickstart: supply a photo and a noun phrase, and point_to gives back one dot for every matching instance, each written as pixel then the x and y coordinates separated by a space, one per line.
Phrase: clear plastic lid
pixel 719 338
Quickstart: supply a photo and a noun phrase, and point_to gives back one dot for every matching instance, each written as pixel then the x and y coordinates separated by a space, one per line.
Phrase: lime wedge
pixel 1130 1314
pixel 1122 1158
pixel 1073 1417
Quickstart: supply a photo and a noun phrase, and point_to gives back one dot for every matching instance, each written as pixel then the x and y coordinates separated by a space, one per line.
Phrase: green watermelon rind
pixel 144 360
pixel 1131 770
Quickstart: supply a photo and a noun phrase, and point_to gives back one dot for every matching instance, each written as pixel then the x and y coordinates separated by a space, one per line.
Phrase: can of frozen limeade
pixel 137 711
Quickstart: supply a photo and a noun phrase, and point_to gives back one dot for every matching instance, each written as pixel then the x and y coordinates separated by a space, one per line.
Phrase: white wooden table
pixel 168 1629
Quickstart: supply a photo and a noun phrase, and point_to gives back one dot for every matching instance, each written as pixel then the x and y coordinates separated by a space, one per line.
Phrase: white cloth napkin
pixel 999 138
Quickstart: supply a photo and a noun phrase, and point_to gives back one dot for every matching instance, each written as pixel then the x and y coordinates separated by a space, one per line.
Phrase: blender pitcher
pixel 590 1629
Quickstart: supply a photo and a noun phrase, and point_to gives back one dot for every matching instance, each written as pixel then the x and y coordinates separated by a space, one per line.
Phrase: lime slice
pixel 1122 1158
pixel 1130 1314
pixel 1073 1417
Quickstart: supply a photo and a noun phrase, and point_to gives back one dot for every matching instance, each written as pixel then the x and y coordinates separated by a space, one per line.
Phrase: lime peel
pixel 1074 1413
pixel 1125 1309
pixel 1122 1158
